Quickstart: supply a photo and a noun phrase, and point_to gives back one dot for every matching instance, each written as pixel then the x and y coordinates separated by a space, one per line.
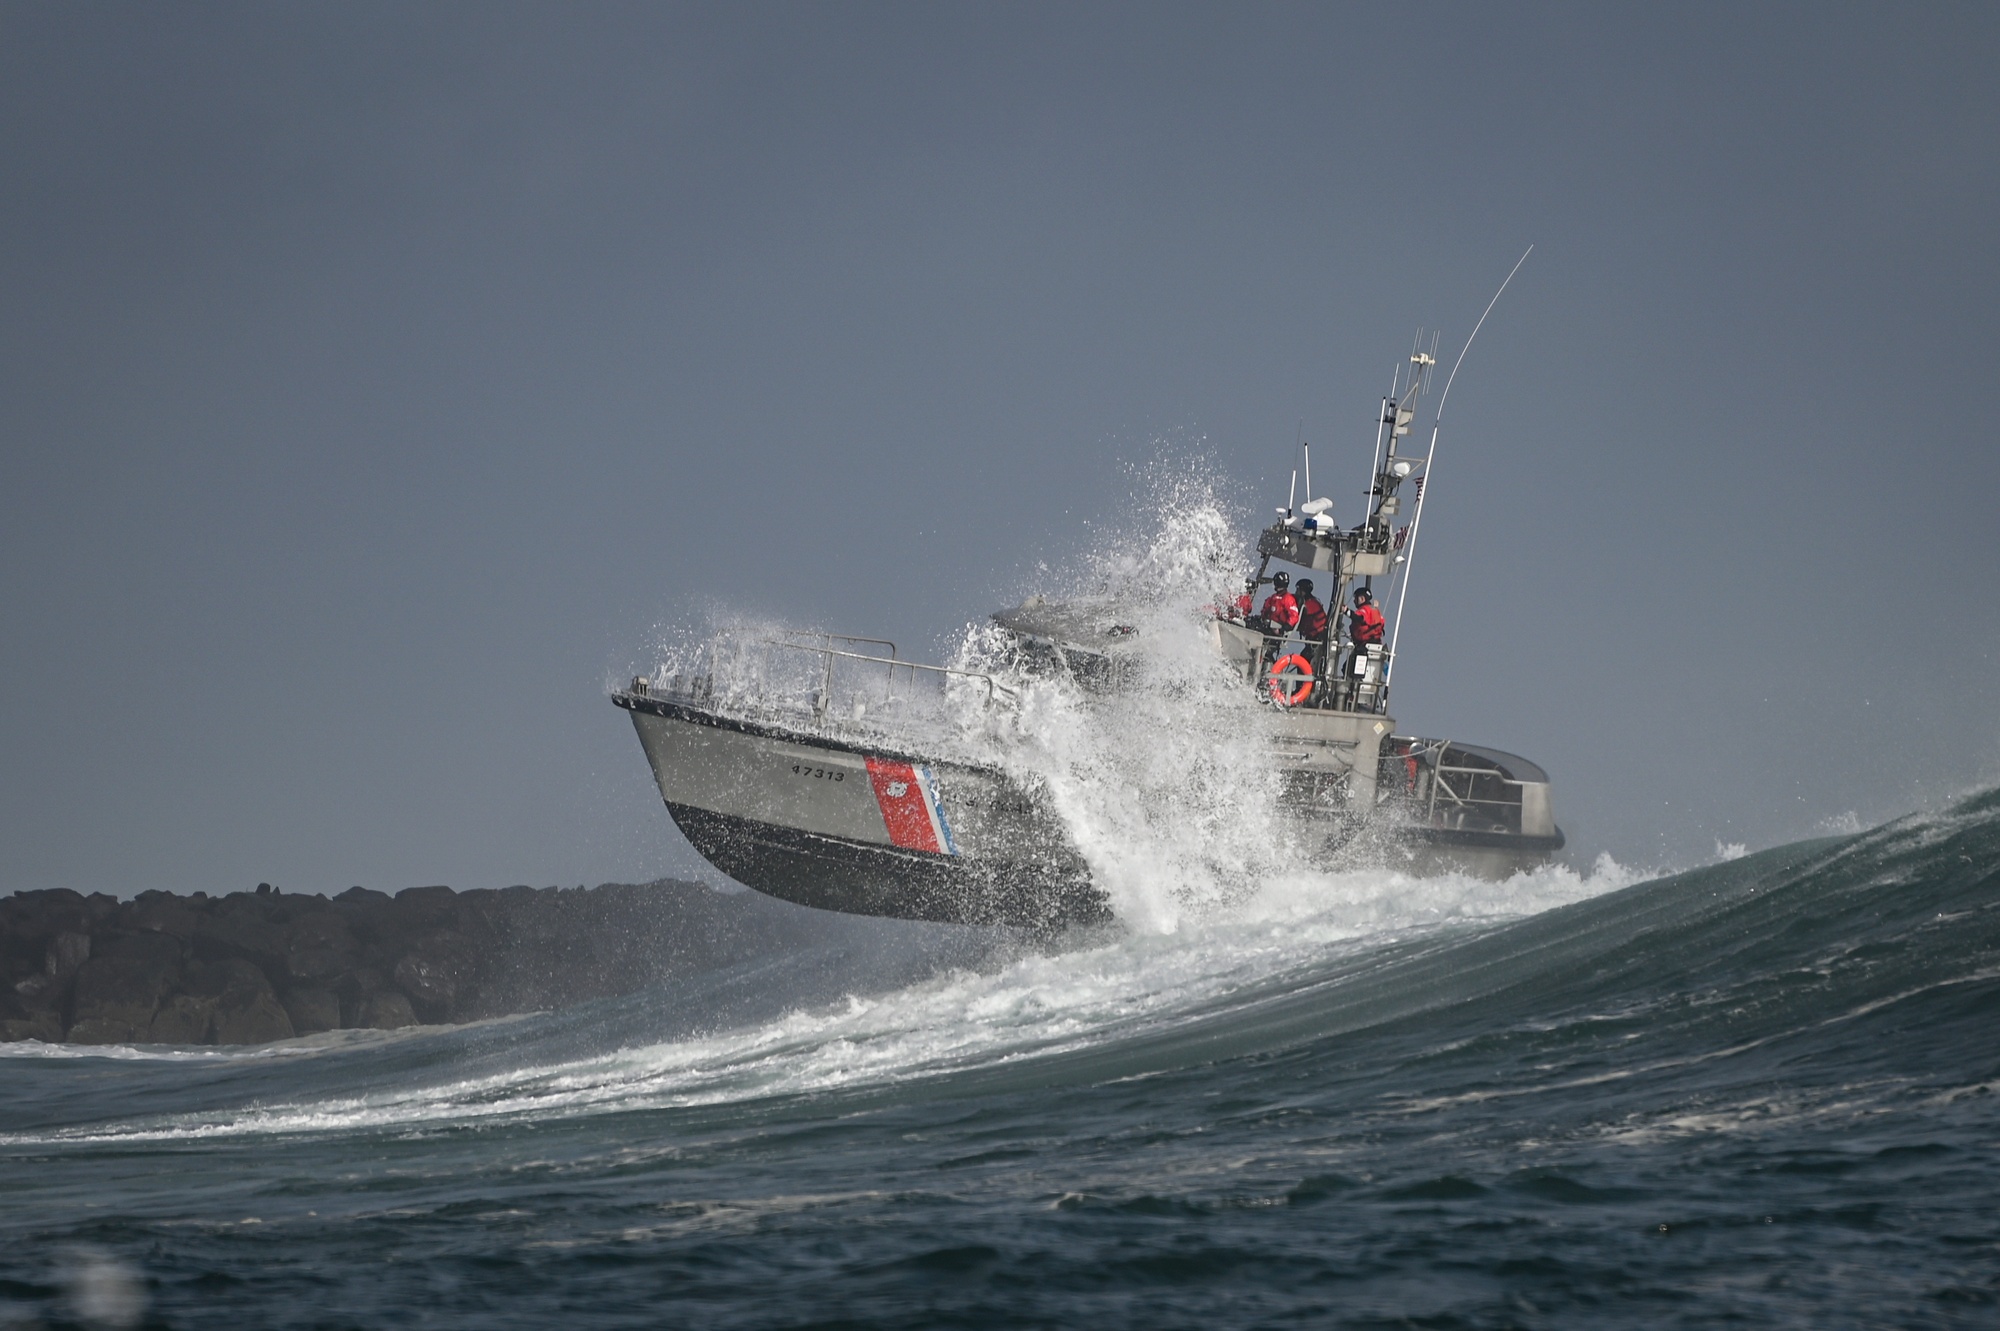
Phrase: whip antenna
pixel 1437 421
pixel 1300 443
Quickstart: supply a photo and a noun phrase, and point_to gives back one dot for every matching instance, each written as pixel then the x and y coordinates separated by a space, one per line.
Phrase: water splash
pixel 1166 784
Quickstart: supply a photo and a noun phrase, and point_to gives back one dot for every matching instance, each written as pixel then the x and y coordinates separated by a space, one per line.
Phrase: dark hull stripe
pixel 831 873
pixel 1532 846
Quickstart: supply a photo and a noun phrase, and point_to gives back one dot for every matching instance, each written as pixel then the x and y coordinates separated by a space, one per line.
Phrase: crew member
pixel 1281 611
pixel 1312 626
pixel 1239 609
pixel 1364 625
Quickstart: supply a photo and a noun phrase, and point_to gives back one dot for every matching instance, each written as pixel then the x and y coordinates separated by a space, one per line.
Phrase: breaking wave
pixel 1566 1088
pixel 1024 1005
pixel 1828 932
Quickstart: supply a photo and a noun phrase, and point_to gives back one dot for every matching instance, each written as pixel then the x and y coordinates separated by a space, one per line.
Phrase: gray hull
pixel 866 831
pixel 872 831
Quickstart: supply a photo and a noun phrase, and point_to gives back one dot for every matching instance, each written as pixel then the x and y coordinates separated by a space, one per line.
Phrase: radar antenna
pixel 1417 517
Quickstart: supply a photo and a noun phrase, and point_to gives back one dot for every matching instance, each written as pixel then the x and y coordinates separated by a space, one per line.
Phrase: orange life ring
pixel 1277 686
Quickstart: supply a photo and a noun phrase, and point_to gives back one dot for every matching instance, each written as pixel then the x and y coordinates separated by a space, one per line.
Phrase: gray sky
pixel 378 379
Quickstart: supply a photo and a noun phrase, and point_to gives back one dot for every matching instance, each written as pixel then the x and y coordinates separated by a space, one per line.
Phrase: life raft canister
pixel 1277 679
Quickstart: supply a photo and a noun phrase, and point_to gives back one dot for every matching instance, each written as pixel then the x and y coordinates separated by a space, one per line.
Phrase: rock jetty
pixel 252 967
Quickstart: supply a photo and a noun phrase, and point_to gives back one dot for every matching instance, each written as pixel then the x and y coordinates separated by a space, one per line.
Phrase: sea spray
pixel 1165 784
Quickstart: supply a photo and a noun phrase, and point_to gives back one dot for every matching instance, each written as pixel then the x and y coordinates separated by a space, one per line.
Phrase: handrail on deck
pixel 994 688
pixel 1434 752
pixel 843 637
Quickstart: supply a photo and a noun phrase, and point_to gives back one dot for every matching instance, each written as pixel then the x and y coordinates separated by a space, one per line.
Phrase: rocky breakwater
pixel 252 967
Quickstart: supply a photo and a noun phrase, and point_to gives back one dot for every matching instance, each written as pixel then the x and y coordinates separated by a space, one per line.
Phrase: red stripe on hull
pixel 903 810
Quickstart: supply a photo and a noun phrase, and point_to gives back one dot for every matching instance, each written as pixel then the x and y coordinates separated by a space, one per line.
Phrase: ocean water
pixel 1761 1092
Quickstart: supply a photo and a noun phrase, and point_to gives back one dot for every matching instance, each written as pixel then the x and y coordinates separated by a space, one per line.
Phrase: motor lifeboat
pixel 812 767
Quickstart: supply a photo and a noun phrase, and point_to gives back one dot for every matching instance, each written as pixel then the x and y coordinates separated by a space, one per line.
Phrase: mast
pixel 1307 535
pixel 1437 424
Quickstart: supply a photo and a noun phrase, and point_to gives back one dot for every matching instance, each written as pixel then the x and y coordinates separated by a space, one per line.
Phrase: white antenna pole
pixel 1291 495
pixel 1375 462
pixel 1309 471
pixel 1417 518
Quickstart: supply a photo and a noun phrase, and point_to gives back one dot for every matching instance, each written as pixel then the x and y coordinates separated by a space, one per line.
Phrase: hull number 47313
pixel 817 773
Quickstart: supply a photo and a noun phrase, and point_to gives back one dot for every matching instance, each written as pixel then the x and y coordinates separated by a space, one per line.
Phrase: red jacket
pixel 1312 619
pixel 1282 609
pixel 1364 623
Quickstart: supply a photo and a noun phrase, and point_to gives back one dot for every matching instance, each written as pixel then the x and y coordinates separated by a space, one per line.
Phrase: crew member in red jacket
pixel 1364 625
pixel 1239 609
pixel 1312 626
pixel 1281 611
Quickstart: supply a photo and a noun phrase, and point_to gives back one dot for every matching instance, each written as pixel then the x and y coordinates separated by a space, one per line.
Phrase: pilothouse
pixel 833 772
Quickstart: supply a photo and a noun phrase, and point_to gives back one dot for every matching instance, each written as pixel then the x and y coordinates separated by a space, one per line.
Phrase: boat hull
pixel 867 830
pixel 864 878
pixel 1430 851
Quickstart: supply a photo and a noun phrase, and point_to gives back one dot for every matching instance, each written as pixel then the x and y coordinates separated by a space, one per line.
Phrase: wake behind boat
pixel 830 771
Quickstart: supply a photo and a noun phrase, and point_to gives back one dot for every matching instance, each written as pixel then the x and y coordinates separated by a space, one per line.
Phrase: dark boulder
pixel 289 909
pixel 246 1009
pixel 258 1020
pixel 158 913
pixel 65 954
pixel 316 963
pixel 387 1011
pixel 21 952
pixel 234 978
pixel 30 922
pixel 118 990
pixel 239 930
pixel 354 990
pixel 426 907
pixel 31 1024
pixel 434 972
pixel 319 946
pixel 183 1019
pixel 312 1010
pixel 437 898
pixel 50 911
pixel 32 1007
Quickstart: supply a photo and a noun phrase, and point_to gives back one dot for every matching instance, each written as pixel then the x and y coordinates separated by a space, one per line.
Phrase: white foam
pixel 136 1053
